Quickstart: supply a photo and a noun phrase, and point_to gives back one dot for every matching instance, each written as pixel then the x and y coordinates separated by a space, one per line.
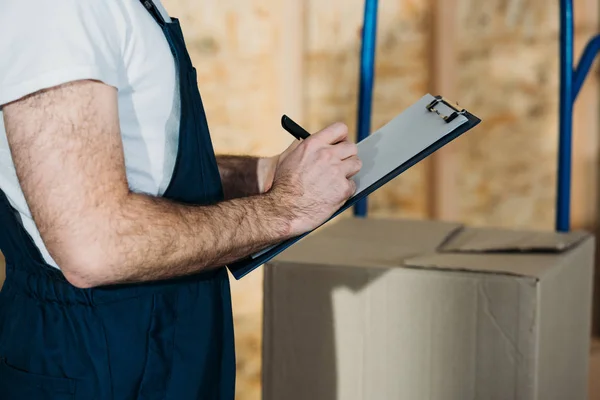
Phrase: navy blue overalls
pixel 161 340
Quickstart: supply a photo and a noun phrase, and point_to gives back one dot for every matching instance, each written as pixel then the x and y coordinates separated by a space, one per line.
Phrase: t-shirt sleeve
pixel 48 43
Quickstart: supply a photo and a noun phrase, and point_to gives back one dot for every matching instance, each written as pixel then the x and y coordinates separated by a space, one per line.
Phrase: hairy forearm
pixel 68 154
pixel 146 238
pixel 243 176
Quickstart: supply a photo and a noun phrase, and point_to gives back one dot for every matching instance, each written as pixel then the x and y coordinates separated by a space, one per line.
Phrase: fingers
pixel 351 188
pixel 291 148
pixel 332 134
pixel 344 150
pixel 351 166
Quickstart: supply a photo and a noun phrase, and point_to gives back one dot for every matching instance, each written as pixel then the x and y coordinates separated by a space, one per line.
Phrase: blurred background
pixel 257 59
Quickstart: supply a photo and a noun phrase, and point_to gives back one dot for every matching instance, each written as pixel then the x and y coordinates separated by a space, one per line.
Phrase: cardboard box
pixel 379 309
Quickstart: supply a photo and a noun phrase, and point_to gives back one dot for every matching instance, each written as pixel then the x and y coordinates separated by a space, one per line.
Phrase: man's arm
pixel 67 150
pixel 243 176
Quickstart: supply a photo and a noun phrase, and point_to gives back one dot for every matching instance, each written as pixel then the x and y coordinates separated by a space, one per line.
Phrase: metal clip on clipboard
pixel 452 111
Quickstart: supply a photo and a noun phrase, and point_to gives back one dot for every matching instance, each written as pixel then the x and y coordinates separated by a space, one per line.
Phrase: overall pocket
pixel 16 384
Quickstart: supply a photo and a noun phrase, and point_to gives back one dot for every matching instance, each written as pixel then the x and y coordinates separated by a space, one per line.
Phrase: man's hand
pixel 266 172
pixel 267 167
pixel 243 176
pixel 312 179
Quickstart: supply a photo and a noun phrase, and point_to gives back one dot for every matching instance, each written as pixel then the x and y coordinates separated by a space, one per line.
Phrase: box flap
pixel 507 252
pixel 368 242
pixel 385 243
pixel 490 240
pixel 526 265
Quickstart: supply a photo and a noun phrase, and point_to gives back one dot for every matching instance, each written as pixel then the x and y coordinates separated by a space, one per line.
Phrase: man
pixel 117 219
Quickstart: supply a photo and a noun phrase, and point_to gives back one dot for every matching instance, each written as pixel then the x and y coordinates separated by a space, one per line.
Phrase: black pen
pixel 296 130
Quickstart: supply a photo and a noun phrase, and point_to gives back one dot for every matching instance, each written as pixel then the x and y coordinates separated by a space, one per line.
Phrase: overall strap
pixel 154 12
pixel 15 242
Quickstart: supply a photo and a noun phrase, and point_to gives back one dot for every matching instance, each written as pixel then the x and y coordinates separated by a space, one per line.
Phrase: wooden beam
pixel 586 127
pixel 291 49
pixel 442 167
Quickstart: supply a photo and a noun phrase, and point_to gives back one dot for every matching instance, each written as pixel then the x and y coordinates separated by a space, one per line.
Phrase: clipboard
pixel 426 126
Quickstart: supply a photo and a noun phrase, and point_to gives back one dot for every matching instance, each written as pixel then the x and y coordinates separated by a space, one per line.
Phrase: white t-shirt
pixel 46 43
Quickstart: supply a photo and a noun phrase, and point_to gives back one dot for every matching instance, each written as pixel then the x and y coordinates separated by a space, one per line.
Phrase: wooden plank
pixel 292 37
pixel 442 166
pixel 584 183
pixel 585 126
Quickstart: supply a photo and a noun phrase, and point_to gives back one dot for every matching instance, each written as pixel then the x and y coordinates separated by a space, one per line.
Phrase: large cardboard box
pixel 380 309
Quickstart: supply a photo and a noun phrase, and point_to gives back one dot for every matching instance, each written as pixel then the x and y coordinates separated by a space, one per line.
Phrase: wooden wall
pixel 258 59
pixel 510 72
